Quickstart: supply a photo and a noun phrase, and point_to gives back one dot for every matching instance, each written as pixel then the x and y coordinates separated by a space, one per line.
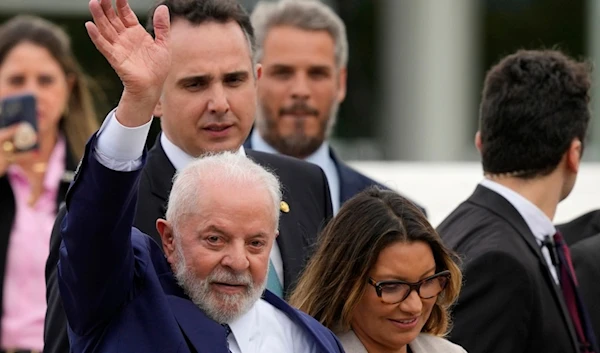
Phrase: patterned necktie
pixel 273 283
pixel 568 284
pixel 227 332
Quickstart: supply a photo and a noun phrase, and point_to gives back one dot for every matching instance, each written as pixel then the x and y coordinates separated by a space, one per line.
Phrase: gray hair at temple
pixel 226 168
pixel 310 15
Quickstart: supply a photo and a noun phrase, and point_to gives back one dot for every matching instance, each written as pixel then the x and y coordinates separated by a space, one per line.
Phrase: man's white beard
pixel 222 308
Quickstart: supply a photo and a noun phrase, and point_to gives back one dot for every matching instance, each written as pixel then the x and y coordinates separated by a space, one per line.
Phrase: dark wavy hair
pixel 335 279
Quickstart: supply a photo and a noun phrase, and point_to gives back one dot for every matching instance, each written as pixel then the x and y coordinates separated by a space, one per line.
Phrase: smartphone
pixel 21 110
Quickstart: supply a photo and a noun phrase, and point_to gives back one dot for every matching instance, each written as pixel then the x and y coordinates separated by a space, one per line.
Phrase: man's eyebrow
pixel 241 74
pixel 202 79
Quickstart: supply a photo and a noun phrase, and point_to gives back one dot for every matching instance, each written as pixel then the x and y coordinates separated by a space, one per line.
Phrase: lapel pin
pixel 285 208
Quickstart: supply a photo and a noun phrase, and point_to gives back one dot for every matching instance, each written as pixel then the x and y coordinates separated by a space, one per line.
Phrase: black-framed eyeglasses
pixel 393 292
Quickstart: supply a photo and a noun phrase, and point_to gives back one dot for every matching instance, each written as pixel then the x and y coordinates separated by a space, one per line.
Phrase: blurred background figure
pixel 36 58
pixel 581 228
pixel 519 287
pixel 381 279
pixel 303 49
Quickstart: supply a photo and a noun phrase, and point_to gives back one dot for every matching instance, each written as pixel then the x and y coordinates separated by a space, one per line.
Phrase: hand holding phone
pixel 18 128
pixel 7 154
pixel 20 111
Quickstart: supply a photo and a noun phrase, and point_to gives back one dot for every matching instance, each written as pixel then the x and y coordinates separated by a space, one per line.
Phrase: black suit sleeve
pixel 587 267
pixel 55 323
pixel 493 310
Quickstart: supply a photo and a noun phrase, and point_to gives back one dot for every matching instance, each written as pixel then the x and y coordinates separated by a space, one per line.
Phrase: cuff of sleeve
pixel 119 142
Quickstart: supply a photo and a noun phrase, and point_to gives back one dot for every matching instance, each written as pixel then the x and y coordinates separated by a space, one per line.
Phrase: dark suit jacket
pixel 509 301
pixel 587 267
pixel 305 189
pixel 351 181
pixel 7 211
pixel 581 227
pixel 132 303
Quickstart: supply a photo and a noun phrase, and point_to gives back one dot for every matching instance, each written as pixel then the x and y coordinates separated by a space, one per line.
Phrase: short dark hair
pixel 336 276
pixel 534 103
pixel 201 11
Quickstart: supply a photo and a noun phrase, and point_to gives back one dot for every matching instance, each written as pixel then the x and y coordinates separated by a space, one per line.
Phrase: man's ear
pixel 258 71
pixel 573 155
pixel 342 79
pixel 157 112
pixel 478 141
pixel 168 238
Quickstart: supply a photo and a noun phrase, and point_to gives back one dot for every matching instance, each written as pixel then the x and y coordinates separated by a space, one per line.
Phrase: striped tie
pixel 577 310
pixel 273 283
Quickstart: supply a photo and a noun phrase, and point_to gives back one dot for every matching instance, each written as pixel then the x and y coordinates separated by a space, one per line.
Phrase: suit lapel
pixel 203 333
pixel 160 179
pixel 350 183
pixel 322 337
pixel 291 243
pixel 293 239
pixel 498 205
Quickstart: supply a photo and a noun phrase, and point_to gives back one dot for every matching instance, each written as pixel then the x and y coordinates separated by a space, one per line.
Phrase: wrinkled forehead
pixel 233 205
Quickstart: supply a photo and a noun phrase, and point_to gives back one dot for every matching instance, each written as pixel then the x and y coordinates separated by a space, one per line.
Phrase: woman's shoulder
pixel 426 343
pixel 350 342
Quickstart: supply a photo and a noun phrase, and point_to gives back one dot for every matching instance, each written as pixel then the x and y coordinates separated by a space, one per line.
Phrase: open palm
pixel 142 62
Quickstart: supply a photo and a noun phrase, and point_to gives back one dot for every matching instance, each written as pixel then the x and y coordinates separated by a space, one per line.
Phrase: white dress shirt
pixel 320 157
pixel 266 329
pixel 263 328
pixel 120 148
pixel 537 221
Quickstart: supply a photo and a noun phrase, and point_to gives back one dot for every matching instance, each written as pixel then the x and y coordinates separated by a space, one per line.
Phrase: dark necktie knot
pixel 227 329
pixel 227 332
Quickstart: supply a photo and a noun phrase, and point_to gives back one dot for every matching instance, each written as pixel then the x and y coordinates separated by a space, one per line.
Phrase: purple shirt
pixel 24 299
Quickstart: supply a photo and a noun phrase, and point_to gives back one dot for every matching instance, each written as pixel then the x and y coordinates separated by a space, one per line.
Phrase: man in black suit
pixel 303 48
pixel 583 236
pixel 581 228
pixel 585 260
pixel 207 104
pixel 534 116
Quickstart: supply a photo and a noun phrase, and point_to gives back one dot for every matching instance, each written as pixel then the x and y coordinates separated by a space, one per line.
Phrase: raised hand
pixel 141 62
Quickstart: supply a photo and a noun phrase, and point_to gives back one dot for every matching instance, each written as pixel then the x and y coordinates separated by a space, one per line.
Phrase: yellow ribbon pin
pixel 284 207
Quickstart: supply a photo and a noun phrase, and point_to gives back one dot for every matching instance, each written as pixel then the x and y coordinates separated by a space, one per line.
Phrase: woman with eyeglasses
pixel 381 279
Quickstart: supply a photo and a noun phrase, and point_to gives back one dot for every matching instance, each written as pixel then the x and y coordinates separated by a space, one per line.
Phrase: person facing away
pixel 381 279
pixel 205 292
pixel 534 116
pixel 303 48
pixel 582 234
pixel 207 104
pixel 36 59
